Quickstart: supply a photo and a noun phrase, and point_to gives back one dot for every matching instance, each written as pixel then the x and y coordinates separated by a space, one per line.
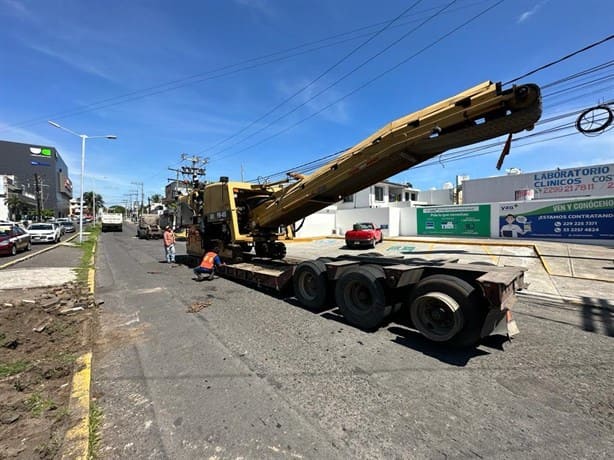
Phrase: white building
pixel 583 181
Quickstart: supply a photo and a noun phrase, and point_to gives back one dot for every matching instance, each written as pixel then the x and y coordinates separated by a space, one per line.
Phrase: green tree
pixel 47 213
pixel 15 205
pixel 156 198
pixel 117 209
pixel 88 202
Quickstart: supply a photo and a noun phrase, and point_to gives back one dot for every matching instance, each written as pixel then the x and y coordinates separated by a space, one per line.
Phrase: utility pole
pixel 38 196
pixel 193 170
pixel 142 196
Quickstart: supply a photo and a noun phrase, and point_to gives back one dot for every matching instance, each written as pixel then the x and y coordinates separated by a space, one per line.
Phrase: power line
pixel 364 85
pixel 226 70
pixel 315 164
pixel 557 61
pixel 386 26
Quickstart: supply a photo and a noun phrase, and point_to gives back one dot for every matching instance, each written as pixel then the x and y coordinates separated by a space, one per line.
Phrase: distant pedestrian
pixel 169 244
pixel 208 264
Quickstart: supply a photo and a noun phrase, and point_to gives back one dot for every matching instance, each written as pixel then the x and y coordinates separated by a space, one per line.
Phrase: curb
pixel 578 301
pixel 483 243
pixel 76 441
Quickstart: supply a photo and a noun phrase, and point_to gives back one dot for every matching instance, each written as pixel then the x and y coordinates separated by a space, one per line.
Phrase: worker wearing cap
pixel 169 244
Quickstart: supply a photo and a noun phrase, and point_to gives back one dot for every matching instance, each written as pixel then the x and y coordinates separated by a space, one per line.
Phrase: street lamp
pixel 83 137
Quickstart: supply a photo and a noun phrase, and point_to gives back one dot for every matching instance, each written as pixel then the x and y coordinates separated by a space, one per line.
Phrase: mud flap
pixel 499 322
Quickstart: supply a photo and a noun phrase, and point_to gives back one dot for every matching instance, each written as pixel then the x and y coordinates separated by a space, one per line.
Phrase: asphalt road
pixel 5 259
pixel 255 376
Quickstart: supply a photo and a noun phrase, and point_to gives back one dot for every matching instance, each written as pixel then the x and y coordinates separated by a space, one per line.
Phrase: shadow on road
pixel 601 313
pixel 444 353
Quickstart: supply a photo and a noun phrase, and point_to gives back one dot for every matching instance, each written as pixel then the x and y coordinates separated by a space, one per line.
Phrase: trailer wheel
pixel 310 283
pixel 361 297
pixel 445 308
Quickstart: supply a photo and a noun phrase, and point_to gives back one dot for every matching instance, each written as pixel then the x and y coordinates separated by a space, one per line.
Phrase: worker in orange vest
pixel 208 264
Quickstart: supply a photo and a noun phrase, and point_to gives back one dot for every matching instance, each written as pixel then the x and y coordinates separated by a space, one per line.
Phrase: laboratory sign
pixel 574 182
pixel 454 220
pixel 581 219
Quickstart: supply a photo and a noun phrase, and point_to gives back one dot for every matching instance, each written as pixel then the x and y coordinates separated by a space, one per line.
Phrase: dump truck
pixel 446 301
pixel 112 221
pixel 149 227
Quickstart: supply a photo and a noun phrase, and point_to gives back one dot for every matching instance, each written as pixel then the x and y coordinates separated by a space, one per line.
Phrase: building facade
pixel 581 182
pixel 39 171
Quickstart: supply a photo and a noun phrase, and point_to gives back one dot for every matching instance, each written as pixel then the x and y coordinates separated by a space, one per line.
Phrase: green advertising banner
pixel 467 220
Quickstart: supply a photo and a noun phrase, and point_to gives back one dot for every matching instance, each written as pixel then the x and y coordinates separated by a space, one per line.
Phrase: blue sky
pixel 198 77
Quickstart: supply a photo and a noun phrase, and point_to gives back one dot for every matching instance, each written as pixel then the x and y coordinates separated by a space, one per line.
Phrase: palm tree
pixel 14 203
pixel 88 202
pixel 156 198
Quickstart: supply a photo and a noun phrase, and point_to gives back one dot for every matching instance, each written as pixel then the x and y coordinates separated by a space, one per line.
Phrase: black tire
pixel 361 297
pixel 311 284
pixel 29 246
pixel 13 250
pixel 381 238
pixel 373 243
pixel 447 309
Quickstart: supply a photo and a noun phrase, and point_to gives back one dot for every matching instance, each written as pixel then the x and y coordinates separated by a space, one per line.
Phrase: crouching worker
pixel 208 264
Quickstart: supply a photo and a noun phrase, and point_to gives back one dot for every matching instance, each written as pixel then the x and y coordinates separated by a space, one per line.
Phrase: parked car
pixel 58 225
pixel 13 238
pixel 363 234
pixel 68 226
pixel 44 233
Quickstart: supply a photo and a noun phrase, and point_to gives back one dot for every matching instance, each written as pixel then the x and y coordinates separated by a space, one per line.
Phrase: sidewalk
pixel 570 272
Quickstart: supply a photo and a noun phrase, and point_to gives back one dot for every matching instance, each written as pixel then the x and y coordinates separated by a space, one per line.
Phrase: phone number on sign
pixel 573 188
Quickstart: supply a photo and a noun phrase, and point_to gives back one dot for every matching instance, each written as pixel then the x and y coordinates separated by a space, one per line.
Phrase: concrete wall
pixel 319 224
pixel 575 220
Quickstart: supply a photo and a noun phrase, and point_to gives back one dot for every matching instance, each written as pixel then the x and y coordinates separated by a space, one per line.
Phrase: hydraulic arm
pixel 480 113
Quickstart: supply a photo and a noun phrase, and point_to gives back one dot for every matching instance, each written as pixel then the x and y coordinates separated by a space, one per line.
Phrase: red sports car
pixel 363 234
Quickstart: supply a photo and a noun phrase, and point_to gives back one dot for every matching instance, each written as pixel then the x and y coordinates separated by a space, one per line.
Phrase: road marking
pixel 492 256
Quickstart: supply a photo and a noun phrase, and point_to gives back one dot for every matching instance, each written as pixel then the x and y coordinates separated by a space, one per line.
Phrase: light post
pixel 83 138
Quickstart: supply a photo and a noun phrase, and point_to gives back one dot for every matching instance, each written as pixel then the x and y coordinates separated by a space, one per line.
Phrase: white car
pixel 44 233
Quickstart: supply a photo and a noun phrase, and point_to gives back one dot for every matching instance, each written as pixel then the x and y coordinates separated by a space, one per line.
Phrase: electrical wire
pixel 220 72
pixel 346 75
pixel 372 37
pixel 367 83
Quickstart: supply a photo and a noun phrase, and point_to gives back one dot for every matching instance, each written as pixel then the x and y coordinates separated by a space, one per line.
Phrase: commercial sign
pixel 40 151
pixel 454 220
pixel 581 219
pixel 574 181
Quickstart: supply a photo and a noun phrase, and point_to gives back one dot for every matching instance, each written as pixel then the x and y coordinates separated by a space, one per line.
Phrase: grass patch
pixel 8 369
pixel 37 404
pixel 88 246
pixel 94 430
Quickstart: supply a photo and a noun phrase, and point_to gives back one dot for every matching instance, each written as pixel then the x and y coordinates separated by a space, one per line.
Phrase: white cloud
pixel 527 14
pixel 15 8
pixel 263 6
pixel 76 62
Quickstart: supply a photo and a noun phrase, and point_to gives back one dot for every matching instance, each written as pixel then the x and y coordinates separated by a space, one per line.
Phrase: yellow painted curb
pixel 76 441
pixel 91 280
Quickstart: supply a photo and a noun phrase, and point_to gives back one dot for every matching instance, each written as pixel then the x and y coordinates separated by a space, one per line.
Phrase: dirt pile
pixel 42 332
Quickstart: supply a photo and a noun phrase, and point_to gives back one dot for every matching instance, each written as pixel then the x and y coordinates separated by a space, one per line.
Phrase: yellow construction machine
pixel 237 217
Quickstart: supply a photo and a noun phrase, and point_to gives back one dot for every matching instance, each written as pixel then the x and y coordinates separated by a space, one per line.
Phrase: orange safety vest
pixel 208 260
